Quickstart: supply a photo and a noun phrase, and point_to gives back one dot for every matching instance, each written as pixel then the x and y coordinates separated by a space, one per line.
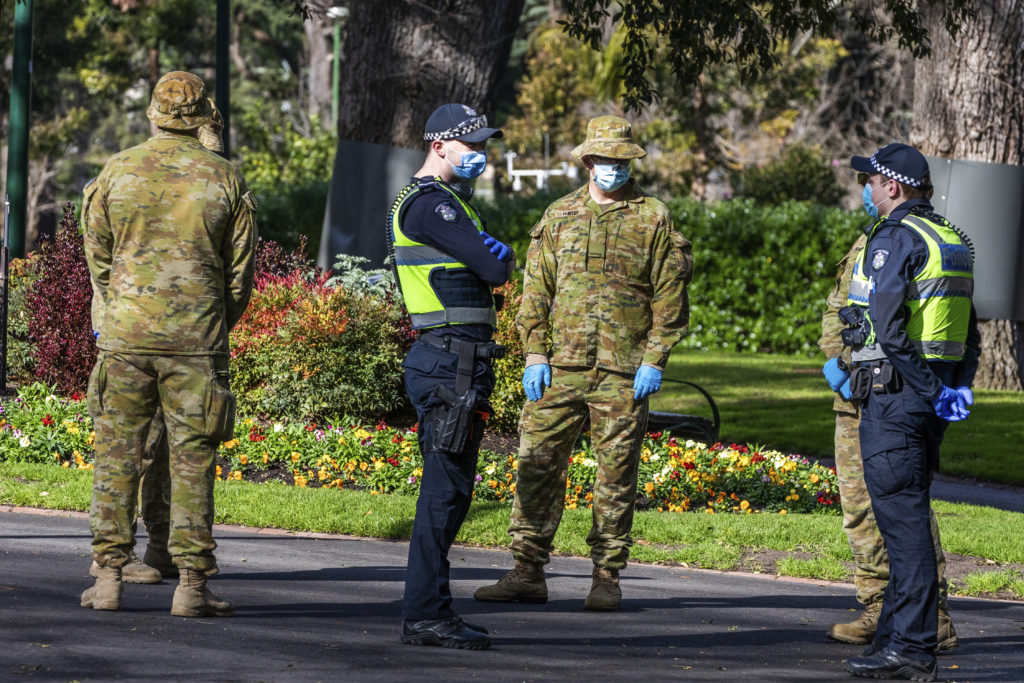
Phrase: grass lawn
pixel 798 545
pixel 783 402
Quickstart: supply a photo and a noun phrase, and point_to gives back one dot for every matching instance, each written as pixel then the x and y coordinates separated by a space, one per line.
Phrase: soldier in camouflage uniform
pixel 604 302
pixel 170 238
pixel 155 490
pixel 871 572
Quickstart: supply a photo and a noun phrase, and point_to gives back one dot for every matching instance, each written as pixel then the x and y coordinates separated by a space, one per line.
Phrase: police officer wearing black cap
pixel 446 266
pixel 914 348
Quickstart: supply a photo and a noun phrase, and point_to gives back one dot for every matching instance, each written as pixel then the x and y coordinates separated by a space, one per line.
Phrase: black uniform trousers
pixel 900 437
pixel 446 487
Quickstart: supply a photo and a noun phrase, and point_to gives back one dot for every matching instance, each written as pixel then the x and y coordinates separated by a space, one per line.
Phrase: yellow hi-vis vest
pixel 938 298
pixel 416 262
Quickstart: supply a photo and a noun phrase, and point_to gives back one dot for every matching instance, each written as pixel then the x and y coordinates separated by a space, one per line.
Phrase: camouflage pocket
pixel 220 407
pixel 97 385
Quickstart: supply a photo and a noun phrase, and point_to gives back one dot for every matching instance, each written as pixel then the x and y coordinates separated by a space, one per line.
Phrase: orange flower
pixel 649 486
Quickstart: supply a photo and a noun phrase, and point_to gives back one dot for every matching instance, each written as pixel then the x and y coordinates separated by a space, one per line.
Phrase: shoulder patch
pixel 250 200
pixel 446 211
pixel 878 258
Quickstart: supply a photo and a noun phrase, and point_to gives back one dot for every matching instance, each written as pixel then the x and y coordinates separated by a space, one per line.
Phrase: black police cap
pixel 900 162
pixel 458 122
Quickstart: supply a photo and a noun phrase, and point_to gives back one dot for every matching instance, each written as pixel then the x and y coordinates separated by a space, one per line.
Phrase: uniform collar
pixel 910 206
pixel 168 135
pixel 633 195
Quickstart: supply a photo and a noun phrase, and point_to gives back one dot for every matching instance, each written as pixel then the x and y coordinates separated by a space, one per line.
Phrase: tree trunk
pixel 320 40
pixel 404 58
pixel 969 104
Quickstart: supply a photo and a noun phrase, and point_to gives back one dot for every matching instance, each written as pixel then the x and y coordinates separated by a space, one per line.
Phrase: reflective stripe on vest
pixel 938 298
pixel 415 262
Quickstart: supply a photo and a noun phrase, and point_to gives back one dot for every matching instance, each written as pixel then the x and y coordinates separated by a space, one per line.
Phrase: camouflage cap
pixel 179 102
pixel 209 134
pixel 609 136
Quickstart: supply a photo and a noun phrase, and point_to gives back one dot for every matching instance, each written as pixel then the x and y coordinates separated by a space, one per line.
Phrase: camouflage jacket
pixel 170 237
pixel 831 343
pixel 605 287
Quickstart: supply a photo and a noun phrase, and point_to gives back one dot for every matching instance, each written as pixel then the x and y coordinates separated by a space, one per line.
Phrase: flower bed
pixel 675 476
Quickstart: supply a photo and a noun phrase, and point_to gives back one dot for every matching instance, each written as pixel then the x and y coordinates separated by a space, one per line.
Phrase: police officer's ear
pixel 437 146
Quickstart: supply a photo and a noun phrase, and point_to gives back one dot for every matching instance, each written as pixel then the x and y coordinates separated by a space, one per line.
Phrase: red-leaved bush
pixel 59 305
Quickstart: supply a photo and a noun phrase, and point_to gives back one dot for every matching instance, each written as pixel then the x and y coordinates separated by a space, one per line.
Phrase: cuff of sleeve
pixel 659 368
pixel 536 359
pixel 656 359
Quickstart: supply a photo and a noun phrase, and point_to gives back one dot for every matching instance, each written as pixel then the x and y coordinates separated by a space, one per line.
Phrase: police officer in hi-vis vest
pixel 447 266
pixel 913 350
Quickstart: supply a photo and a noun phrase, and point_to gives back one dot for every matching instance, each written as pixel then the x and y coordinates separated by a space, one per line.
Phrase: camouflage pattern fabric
pixel 605 286
pixel 125 393
pixel 609 136
pixel 170 239
pixel 179 102
pixel 155 492
pixel 549 429
pixel 871 573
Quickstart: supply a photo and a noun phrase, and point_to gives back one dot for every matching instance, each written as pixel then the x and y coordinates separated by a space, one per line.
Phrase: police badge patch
pixel 878 258
pixel 447 212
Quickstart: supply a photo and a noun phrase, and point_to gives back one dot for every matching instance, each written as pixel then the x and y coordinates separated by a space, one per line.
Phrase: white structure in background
pixel 540 174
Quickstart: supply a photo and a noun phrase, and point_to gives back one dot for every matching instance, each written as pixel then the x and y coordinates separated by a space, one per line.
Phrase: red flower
pixel 380 426
pixel 415 428
pixel 48 421
pixel 689 466
pixel 76 396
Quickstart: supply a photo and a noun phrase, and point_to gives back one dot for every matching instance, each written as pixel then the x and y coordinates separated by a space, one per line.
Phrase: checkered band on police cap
pixel 458 122
pixel 891 173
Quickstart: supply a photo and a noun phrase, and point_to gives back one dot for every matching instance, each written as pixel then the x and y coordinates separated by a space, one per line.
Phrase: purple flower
pixel 479 477
pixel 318 435
pixel 765 479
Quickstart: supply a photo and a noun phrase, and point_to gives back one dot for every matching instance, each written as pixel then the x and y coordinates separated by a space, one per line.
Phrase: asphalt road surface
pixel 326 608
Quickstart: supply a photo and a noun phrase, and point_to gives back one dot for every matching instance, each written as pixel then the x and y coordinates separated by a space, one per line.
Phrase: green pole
pixel 17 146
pixel 223 90
pixel 335 72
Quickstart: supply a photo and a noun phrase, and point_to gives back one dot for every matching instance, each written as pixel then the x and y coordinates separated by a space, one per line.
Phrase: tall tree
pixel 404 58
pixel 969 104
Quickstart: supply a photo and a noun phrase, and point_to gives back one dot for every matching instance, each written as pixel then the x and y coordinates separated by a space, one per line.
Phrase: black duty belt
pixel 875 376
pixel 467 351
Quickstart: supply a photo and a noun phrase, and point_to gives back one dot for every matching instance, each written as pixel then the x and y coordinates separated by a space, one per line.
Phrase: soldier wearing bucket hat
pixel 913 348
pixel 170 239
pixel 604 302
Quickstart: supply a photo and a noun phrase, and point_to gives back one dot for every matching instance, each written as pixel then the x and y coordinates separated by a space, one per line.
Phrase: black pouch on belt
pixel 884 378
pixel 860 382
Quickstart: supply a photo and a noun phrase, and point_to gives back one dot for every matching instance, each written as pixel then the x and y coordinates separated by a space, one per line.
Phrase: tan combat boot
pixel 160 560
pixel 605 594
pixel 947 634
pixel 133 572
pixel 106 592
pixel 861 630
pixel 525 583
pixel 193 599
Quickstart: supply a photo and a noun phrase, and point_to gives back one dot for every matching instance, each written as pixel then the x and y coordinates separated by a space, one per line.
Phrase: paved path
pixel 327 608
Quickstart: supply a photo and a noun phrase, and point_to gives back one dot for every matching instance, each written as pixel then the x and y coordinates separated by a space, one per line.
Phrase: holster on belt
pixel 860 382
pixel 453 421
pixel 878 377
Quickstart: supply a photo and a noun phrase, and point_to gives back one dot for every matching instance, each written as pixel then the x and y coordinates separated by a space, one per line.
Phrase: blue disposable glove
pixel 967 395
pixel 950 405
pixel 535 378
pixel 837 378
pixel 499 249
pixel 646 382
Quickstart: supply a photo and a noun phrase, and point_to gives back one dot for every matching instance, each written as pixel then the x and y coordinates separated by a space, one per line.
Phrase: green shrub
pixel 21 362
pixel 801 173
pixel 508 397
pixel 761 273
pixel 38 426
pixel 304 350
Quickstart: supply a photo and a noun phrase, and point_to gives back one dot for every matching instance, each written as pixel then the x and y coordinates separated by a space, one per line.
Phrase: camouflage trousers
pixel 549 430
pixel 126 392
pixel 871 574
pixel 155 491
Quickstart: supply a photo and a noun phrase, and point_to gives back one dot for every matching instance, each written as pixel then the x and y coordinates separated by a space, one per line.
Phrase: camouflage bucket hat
pixel 179 102
pixel 609 136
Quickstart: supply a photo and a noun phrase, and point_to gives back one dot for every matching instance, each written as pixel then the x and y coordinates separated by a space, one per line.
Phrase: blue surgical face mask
pixel 869 205
pixel 471 164
pixel 610 177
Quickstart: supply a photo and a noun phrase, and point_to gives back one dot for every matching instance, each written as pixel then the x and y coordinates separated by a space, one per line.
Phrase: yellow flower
pixel 296 456
pixel 782 512
pixel 492 483
pixel 65 464
pixel 266 457
pixel 649 486
pixel 218 470
pixel 243 458
pixel 744 505
pixel 228 445
pixel 363 466
pixel 815 478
